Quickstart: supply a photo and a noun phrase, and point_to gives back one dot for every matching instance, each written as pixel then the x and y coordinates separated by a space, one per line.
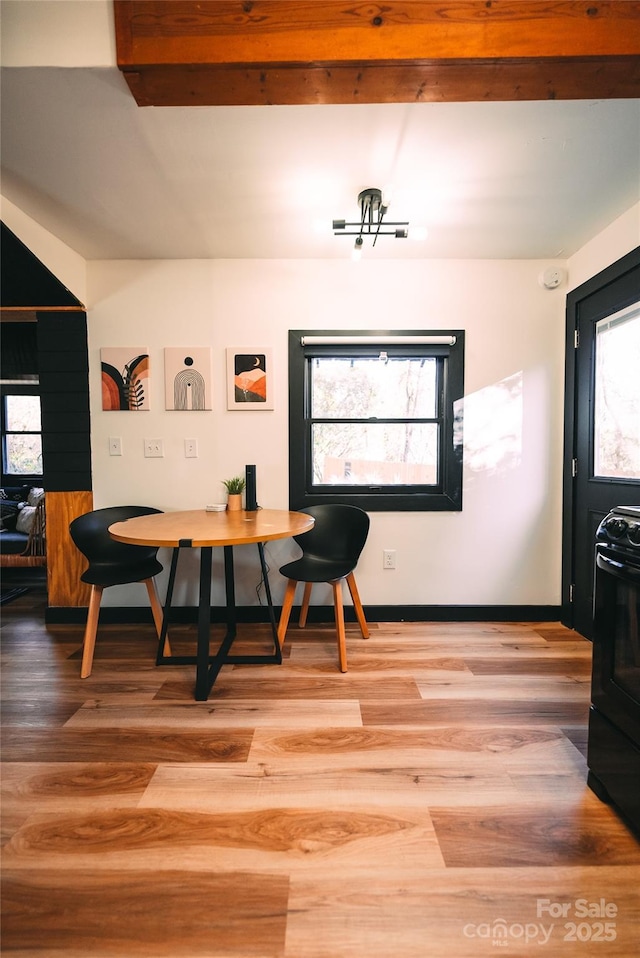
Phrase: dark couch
pixel 22 526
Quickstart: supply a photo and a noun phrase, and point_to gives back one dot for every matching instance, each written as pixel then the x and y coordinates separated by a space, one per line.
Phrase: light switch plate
pixel 153 448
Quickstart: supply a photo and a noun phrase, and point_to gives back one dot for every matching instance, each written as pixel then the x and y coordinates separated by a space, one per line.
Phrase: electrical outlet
pixel 191 448
pixel 115 446
pixel 388 558
pixel 153 448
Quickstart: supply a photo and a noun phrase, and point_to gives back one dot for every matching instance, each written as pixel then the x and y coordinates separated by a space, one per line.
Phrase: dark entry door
pixel 602 427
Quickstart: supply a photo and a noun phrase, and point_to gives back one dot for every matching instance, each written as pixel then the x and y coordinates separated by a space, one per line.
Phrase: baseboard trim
pixel 323 613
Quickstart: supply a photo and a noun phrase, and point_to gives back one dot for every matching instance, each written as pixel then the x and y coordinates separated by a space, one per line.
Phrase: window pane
pixel 376 425
pixel 23 413
pixel 389 454
pixel 392 388
pixel 23 455
pixel 617 396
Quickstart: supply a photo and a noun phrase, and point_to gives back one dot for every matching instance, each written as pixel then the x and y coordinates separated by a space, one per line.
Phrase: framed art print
pixel 249 378
pixel 187 377
pixel 124 372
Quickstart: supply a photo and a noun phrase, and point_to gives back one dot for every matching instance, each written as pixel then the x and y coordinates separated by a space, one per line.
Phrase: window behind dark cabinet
pixel 21 433
pixel 375 419
pixel 20 416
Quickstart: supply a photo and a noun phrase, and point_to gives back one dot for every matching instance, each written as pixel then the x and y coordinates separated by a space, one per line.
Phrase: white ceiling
pixel 487 180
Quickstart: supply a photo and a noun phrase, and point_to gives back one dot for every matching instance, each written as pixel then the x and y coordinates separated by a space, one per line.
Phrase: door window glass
pixel 616 447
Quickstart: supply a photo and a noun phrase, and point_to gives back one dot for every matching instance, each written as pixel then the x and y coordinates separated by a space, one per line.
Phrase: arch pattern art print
pixel 187 377
pixel 124 373
pixel 249 378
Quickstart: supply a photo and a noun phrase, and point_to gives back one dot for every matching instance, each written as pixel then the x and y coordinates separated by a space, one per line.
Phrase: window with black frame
pixel 21 433
pixel 375 419
pixel 20 413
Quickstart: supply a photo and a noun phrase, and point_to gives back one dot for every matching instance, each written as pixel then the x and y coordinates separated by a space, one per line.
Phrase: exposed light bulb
pixel 419 233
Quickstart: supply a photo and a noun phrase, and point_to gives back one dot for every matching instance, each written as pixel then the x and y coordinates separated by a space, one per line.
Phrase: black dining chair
pixel 113 563
pixel 330 553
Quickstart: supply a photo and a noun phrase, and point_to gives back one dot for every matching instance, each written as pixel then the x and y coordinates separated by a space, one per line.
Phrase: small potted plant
pixel 235 488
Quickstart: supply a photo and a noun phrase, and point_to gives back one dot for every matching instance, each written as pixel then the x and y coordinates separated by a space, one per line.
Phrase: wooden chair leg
pixel 91 628
pixel 287 605
pixel 357 605
pixel 304 608
pixel 156 609
pixel 339 614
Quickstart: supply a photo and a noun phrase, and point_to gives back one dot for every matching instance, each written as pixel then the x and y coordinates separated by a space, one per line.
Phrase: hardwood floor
pixel 432 801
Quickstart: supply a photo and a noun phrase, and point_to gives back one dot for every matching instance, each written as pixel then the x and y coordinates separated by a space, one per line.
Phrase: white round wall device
pixel 551 277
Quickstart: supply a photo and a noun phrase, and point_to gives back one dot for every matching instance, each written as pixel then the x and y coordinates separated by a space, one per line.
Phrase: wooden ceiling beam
pixel 259 52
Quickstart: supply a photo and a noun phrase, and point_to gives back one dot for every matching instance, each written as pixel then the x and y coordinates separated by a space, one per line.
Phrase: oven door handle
pixel 619 569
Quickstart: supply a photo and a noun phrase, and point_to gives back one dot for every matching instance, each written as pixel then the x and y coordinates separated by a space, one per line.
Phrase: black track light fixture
pixel 372 211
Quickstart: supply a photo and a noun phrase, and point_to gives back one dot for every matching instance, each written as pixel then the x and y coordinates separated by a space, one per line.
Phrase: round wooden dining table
pixel 204 530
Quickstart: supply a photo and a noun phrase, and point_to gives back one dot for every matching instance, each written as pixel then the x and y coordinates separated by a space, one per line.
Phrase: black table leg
pixel 207 665
pixel 160 657
pixel 274 658
pixel 230 589
pixel 272 615
pixel 204 627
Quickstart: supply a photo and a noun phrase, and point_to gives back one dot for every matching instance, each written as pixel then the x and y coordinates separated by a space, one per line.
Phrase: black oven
pixel 614 717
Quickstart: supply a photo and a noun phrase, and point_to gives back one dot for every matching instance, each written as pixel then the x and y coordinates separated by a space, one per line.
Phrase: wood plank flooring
pixel 432 801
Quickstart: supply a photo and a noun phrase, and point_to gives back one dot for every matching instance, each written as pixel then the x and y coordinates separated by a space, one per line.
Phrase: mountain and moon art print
pixel 249 378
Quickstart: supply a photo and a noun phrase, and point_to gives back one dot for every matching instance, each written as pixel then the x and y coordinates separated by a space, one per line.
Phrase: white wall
pixel 503 548
pixel 620 237
pixel 58 33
